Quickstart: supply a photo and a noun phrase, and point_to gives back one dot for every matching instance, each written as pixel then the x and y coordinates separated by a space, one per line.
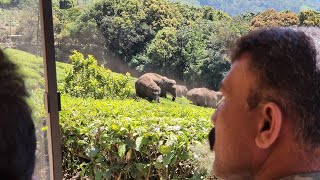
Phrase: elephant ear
pixel 175 86
pixel 171 82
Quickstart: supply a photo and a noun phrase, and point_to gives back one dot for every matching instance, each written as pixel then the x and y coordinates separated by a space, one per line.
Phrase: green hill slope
pixel 102 134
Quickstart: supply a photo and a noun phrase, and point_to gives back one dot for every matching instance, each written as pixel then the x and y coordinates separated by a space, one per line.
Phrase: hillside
pixel 102 134
pixel 235 7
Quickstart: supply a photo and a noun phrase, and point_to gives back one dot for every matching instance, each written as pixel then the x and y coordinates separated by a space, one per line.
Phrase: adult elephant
pixel 147 88
pixel 165 84
pixel 203 97
pixel 181 90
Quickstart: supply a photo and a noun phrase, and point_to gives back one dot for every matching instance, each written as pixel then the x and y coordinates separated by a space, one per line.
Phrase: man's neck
pixel 287 161
pixel 303 176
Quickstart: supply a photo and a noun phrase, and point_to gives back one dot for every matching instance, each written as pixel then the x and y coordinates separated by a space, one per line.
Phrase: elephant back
pixel 166 84
pixel 202 97
pixel 160 80
pixel 181 90
pixel 146 87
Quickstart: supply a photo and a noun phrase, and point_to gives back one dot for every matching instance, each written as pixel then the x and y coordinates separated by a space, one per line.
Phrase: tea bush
pixel 132 139
pixel 89 80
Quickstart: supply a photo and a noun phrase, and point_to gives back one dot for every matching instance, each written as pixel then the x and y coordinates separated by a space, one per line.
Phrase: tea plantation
pixel 113 137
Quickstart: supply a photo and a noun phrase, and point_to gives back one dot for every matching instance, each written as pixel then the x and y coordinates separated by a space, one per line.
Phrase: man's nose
pixel 214 116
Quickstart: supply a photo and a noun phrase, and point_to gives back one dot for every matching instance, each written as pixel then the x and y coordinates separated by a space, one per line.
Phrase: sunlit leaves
pixel 89 80
pixel 130 138
pixel 309 18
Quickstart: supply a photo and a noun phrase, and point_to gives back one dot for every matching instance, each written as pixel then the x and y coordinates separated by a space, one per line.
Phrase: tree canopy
pixel 187 43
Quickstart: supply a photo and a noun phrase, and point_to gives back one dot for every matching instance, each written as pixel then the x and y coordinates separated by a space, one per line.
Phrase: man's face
pixel 235 130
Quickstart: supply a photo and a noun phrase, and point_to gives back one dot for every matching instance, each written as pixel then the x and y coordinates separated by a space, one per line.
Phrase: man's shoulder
pixel 303 176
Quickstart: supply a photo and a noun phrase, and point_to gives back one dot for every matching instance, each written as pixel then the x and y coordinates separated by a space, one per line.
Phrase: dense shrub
pixel 89 80
pixel 130 139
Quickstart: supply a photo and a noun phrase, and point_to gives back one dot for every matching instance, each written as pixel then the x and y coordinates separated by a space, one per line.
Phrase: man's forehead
pixel 238 74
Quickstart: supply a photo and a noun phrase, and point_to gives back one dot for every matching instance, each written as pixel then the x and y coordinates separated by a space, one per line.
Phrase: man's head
pixel 271 101
pixel 17 132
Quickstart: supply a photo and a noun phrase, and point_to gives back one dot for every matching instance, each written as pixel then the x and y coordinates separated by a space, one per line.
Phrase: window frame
pixel 51 96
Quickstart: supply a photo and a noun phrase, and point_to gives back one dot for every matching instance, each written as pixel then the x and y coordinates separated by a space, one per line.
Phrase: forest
pixel 187 43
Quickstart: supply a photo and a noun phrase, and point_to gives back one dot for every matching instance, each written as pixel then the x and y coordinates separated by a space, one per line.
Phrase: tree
pixel 309 18
pixel 272 18
pixel 123 24
pixel 87 79
pixel 191 54
pixel 195 54
pixel 217 63
pixel 24 23
pixel 162 49
pixel 161 14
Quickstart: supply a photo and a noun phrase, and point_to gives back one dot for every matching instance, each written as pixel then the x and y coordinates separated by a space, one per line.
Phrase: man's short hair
pixel 17 131
pixel 286 64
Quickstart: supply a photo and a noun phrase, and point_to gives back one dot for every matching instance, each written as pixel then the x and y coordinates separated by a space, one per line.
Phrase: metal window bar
pixel 51 96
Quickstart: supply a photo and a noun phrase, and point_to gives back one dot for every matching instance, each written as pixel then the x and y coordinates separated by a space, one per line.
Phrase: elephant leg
pixel 138 93
pixel 163 93
pixel 157 99
pixel 149 99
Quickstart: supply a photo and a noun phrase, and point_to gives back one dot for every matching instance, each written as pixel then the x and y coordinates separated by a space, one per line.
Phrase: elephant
pixel 203 97
pixel 181 90
pixel 147 88
pixel 165 84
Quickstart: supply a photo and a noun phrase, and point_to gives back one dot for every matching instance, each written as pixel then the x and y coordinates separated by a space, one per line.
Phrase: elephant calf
pixel 165 84
pixel 181 90
pixel 147 88
pixel 204 97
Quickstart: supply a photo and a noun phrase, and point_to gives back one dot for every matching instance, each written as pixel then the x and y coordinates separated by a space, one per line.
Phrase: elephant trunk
pixel 173 92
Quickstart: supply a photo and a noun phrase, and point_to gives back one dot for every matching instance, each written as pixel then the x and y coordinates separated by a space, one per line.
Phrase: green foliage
pixel 162 14
pixel 195 54
pixel 88 79
pixel 9 3
pixel 31 67
pixel 126 139
pixel 129 139
pixel 76 28
pixel 65 4
pixel 309 18
pixel 63 19
pixel 124 25
pixel 162 48
pixel 151 35
pixel 20 26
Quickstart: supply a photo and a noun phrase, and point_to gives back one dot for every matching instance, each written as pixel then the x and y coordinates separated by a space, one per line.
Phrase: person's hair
pixel 17 131
pixel 286 65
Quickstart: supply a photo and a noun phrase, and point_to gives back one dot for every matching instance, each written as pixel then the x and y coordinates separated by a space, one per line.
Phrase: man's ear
pixel 269 125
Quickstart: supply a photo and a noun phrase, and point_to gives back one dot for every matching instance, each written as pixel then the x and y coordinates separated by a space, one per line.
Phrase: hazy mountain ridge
pixel 235 7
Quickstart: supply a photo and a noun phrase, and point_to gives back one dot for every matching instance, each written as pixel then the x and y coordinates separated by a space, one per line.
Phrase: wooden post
pixel 51 96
